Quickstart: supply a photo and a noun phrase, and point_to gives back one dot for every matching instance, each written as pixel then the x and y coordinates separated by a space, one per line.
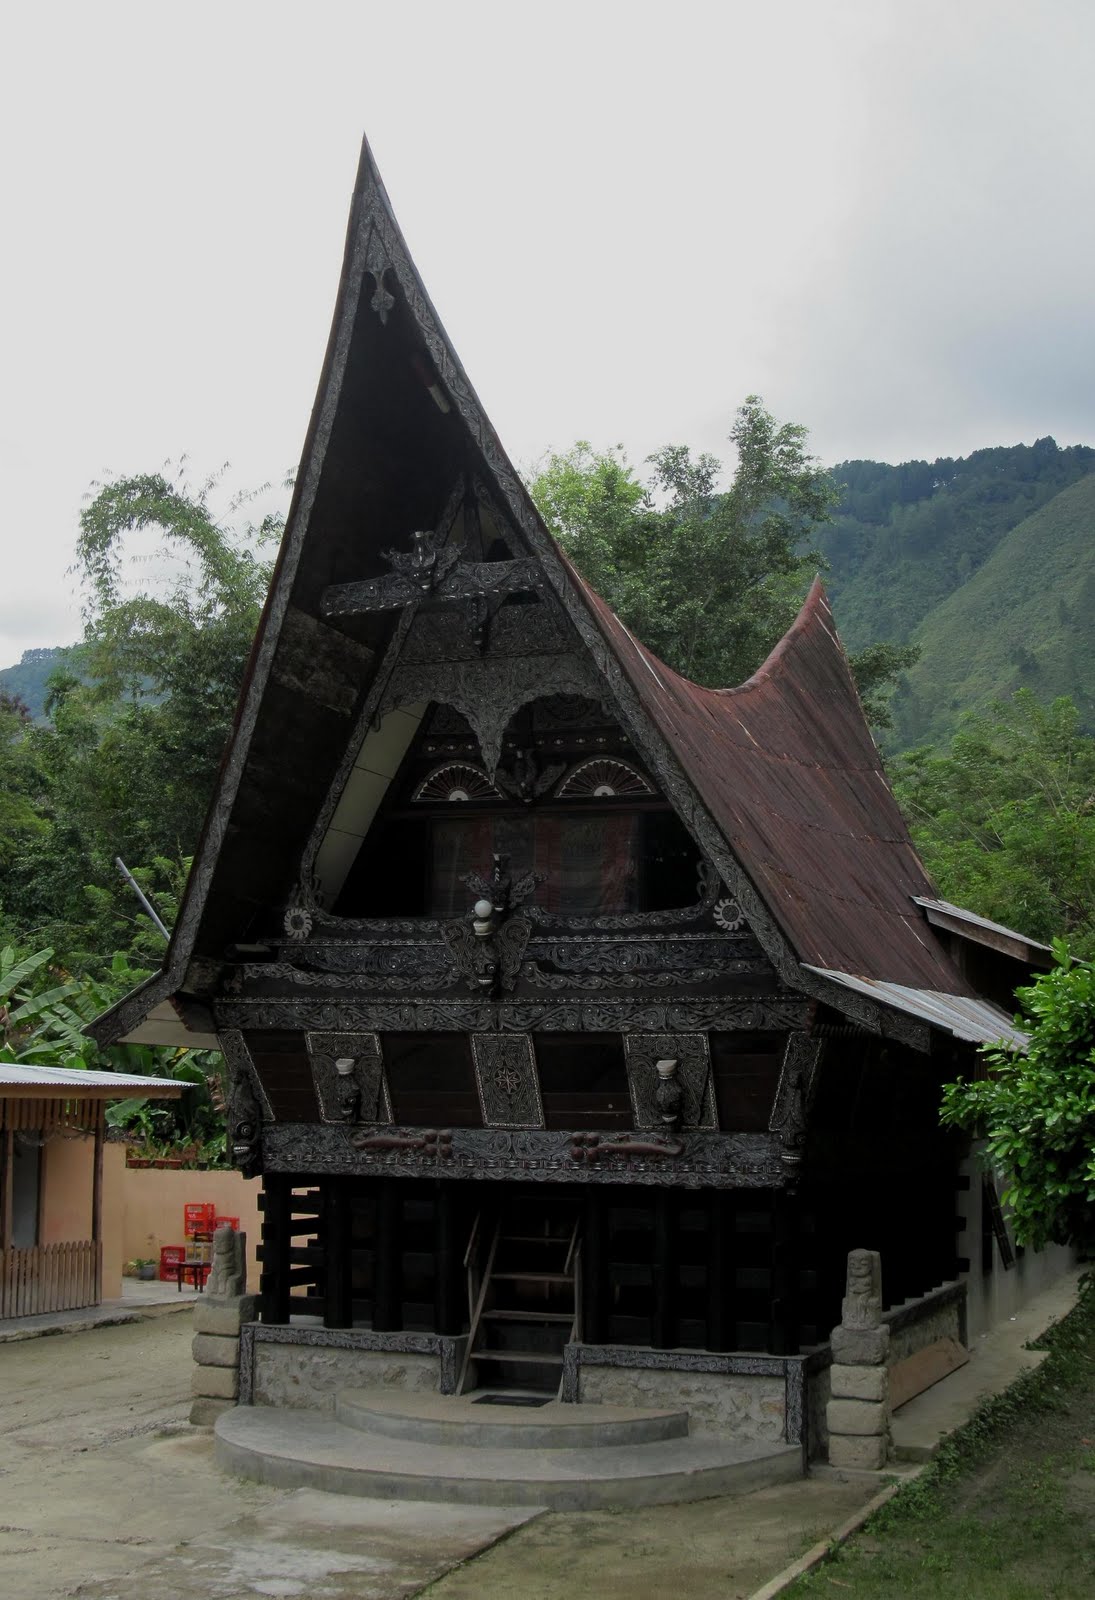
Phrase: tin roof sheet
pixel 99 1085
pixel 977 1021
pixel 975 921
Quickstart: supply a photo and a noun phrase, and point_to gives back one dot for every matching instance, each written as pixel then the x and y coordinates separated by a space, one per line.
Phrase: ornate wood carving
pixel 246 1103
pixel 790 1109
pixel 488 690
pixel 707 1160
pixel 491 963
pixel 308 1013
pixel 644 1050
pixel 429 571
pixel 590 1147
pixel 506 1078
pixel 359 1091
pixel 514 630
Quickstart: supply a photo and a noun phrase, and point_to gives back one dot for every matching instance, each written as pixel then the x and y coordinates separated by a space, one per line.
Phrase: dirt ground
pixel 106 1492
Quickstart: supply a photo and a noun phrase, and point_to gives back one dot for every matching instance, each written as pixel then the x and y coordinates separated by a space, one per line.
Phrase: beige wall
pixel 150 1201
pixel 66 1190
pixel 66 1211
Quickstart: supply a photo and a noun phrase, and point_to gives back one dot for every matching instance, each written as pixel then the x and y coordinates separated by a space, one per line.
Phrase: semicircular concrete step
pixel 462 1420
pixel 298 1449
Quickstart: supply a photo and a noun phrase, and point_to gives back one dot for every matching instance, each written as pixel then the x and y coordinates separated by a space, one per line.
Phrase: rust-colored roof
pixel 787 768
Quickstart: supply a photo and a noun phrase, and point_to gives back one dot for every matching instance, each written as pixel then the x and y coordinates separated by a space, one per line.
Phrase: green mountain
pixel 28 680
pixel 906 537
pixel 1025 619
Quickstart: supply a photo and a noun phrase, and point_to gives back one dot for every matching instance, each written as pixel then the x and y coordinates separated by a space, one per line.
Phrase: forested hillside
pixel 1025 619
pixel 28 680
pixel 906 537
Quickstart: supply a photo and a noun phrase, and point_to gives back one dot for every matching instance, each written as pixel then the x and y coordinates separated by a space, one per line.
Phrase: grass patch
pixel 1006 1511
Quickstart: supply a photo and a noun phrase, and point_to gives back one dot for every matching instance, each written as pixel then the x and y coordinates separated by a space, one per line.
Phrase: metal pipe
pixel 142 897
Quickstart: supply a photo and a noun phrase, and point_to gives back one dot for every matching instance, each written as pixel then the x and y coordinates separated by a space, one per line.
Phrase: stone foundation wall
pixel 307 1376
pixel 727 1405
pixel 943 1322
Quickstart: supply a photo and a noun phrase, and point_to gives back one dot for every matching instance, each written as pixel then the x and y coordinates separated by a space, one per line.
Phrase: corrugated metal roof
pixel 788 769
pixel 975 921
pixel 99 1084
pixel 976 1021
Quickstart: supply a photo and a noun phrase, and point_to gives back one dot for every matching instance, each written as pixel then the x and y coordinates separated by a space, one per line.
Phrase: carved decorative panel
pixel 790 1110
pixel 357 1094
pixel 505 1075
pixel 696 1160
pixel 644 1050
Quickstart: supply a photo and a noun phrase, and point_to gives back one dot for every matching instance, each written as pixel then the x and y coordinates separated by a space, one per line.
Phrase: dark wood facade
pixel 561 998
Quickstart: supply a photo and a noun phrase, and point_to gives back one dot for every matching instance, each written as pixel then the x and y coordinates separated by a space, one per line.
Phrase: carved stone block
pixel 856 1416
pixel 858 1383
pixel 858 1452
pixel 215 1350
pixel 505 1076
pixel 348 1072
pixel 860 1347
pixel 643 1052
pixel 221 1316
pixel 216 1383
pixel 862 1303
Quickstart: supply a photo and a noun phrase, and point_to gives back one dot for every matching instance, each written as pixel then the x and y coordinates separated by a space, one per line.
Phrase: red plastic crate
pixel 226 1222
pixel 198 1218
pixel 170 1256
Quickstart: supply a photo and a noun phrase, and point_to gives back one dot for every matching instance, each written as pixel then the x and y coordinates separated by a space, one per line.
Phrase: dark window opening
pixel 745 1071
pixel 593 861
pixel 431 1080
pixel 583 1080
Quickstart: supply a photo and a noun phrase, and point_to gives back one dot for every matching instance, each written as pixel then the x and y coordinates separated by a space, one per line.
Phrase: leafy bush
pixel 1037 1110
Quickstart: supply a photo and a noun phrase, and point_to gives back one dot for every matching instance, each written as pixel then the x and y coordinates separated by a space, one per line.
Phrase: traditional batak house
pixel 579 1019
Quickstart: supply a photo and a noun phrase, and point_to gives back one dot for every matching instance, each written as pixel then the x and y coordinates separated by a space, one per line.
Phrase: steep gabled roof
pixel 787 768
pixel 779 779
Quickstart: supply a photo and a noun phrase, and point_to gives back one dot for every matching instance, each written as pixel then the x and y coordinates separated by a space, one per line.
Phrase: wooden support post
pixel 337 1259
pixel 594 1269
pixel 449 1304
pixel 388 1268
pixel 274 1277
pixel 721 1262
pixel 7 1187
pixel 666 1270
pixel 97 1202
pixel 783 1332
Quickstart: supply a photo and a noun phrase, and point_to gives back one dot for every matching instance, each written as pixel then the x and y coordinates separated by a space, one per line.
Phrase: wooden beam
pixel 388 1261
pixel 7 1182
pixel 338 1261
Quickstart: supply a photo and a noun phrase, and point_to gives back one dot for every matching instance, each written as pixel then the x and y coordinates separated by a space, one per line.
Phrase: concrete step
pixel 459 1420
pixel 535 1358
pixel 296 1449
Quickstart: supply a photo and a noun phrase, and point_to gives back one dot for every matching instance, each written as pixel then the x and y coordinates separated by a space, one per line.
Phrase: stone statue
pixel 229 1275
pixel 862 1304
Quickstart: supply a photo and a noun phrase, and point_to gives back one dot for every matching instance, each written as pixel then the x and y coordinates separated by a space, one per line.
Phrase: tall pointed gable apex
pixel 758 773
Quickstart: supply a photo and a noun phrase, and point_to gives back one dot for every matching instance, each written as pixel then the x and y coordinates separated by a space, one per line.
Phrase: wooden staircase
pixel 525 1306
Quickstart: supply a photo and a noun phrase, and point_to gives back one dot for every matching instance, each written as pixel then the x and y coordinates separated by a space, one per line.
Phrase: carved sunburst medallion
pixel 603 776
pixel 457 781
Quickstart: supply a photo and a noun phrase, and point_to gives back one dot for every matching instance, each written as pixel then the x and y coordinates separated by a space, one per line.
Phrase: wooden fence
pixel 50 1277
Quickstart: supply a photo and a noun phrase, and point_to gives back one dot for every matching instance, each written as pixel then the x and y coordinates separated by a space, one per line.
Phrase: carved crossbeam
pixel 589 1148
pixel 456 580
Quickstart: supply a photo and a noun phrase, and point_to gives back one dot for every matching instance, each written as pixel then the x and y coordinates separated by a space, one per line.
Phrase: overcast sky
pixel 877 214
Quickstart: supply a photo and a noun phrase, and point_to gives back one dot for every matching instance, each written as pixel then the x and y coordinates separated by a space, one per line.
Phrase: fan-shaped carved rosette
pixel 602 776
pixel 456 781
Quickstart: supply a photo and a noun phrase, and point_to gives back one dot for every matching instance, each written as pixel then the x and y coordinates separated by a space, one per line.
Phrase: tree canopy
pixel 710 579
pixel 1005 819
pixel 1037 1109
pixel 126 763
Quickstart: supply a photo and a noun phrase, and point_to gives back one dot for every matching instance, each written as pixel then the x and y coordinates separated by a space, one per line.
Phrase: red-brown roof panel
pixel 788 770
